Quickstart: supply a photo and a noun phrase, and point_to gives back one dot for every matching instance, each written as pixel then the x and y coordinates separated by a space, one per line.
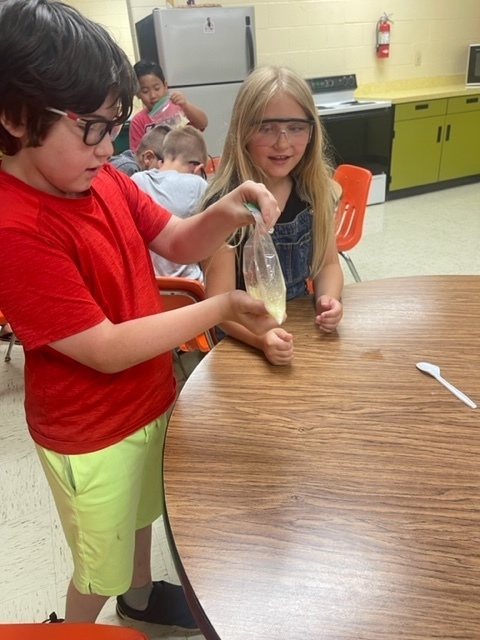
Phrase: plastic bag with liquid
pixel 168 113
pixel 262 271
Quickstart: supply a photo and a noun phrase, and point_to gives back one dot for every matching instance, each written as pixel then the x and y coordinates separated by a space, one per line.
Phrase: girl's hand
pixel 277 346
pixel 329 313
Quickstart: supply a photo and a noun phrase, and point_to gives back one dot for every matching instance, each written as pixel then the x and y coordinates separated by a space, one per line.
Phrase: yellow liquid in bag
pixel 274 301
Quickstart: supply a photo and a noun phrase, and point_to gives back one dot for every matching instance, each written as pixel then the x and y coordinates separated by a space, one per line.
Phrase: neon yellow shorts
pixel 102 498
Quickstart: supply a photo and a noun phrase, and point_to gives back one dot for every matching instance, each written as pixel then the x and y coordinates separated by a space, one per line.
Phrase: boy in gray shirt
pixel 178 186
pixel 149 153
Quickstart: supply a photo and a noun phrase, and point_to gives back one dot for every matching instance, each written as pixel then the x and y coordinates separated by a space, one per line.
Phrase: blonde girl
pixel 275 137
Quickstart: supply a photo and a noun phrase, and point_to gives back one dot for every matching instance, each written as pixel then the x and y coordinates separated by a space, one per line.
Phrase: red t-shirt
pixel 137 128
pixel 142 122
pixel 67 264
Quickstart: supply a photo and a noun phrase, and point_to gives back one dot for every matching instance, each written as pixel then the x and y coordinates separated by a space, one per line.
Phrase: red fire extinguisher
pixel 383 36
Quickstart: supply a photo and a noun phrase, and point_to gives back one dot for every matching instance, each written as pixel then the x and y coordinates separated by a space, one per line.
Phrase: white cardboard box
pixel 378 189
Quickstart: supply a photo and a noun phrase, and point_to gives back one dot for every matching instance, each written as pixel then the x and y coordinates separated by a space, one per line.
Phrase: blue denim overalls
pixel 293 242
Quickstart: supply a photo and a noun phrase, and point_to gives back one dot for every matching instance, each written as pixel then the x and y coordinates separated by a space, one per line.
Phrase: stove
pixel 334 95
pixel 355 131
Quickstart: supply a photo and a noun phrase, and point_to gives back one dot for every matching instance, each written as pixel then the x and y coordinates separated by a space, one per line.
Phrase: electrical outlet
pixel 418 58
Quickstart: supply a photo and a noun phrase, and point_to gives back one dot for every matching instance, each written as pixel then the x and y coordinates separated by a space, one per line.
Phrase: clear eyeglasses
pixel 297 131
pixel 94 129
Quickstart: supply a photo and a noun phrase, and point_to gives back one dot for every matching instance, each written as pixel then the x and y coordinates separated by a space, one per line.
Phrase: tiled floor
pixel 434 233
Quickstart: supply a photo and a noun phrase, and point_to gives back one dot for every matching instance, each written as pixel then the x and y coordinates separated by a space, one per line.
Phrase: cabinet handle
pixel 472 100
pixel 439 134
pixel 447 135
pixel 419 107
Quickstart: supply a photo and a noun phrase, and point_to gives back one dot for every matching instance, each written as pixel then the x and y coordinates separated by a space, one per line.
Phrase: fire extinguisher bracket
pixel 383 35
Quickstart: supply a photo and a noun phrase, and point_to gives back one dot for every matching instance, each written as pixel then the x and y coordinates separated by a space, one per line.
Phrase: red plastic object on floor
pixel 68 631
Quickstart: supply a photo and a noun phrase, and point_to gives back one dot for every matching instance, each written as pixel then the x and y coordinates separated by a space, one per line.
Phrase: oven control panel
pixel 328 84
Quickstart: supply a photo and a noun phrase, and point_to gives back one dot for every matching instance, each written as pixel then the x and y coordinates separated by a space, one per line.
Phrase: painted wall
pixel 321 37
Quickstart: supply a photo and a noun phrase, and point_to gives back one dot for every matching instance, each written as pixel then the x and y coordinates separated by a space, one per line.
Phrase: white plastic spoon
pixel 434 371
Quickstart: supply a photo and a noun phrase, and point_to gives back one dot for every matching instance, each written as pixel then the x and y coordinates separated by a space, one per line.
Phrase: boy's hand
pixel 329 313
pixel 178 98
pixel 257 194
pixel 250 313
pixel 277 346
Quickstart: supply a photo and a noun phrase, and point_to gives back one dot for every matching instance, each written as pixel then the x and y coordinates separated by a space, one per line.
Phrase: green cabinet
pixel 435 140
pixel 461 146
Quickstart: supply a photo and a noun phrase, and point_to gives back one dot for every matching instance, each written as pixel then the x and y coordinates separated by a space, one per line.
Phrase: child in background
pixel 177 186
pixel 275 137
pixel 149 153
pixel 79 291
pixel 153 87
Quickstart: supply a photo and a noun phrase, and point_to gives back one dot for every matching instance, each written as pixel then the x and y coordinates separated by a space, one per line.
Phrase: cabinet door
pixel 416 152
pixel 461 146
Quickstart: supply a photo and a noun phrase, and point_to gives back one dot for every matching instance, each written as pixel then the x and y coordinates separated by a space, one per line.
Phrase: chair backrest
pixel 179 292
pixel 355 183
pixel 71 631
pixel 212 164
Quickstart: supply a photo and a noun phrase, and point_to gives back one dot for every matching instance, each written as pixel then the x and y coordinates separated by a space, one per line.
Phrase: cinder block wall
pixel 319 37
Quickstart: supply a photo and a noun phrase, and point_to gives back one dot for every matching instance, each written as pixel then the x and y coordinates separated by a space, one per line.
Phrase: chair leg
pixel 178 359
pixel 351 266
pixel 10 347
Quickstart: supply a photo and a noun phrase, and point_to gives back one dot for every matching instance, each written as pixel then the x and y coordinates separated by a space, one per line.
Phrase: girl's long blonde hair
pixel 312 174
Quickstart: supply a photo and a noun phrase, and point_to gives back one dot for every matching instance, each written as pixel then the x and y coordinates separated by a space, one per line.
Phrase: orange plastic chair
pixel 70 631
pixel 179 292
pixel 350 215
pixel 212 164
pixel 8 356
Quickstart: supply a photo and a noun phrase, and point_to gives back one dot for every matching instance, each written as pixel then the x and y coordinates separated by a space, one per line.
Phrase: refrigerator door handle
pixel 250 46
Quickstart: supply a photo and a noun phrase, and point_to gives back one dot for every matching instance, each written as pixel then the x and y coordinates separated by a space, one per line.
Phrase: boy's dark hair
pixel 52 56
pixel 148 68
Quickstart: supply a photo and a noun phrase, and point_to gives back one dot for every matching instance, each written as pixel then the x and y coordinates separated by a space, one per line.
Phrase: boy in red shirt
pixel 78 288
pixel 154 87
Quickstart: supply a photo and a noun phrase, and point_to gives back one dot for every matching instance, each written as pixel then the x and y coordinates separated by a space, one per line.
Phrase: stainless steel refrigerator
pixel 206 53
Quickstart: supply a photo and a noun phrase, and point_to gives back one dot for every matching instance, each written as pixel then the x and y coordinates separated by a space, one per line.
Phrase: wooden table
pixel 339 497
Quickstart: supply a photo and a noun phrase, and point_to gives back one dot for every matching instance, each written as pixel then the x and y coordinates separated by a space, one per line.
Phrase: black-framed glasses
pixel 296 131
pixel 94 129
pixel 197 163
